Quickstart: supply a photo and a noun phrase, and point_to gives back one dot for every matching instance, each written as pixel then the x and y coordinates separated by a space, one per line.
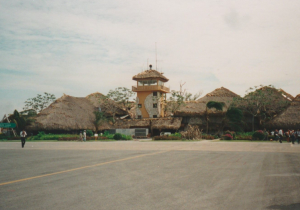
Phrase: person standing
pixel 80 136
pixel 292 136
pixel 84 135
pixel 280 135
pixel 266 134
pixel 96 136
pixel 287 135
pixel 23 134
pixel 276 136
pixel 298 135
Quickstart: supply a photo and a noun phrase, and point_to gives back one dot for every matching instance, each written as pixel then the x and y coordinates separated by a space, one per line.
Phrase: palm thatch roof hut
pixel 150 74
pixel 286 95
pixel 172 123
pixel 71 113
pixel 97 100
pixel 289 119
pixel 198 108
pixel 219 95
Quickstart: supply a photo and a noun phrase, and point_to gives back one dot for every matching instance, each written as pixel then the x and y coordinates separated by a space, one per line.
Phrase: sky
pixel 80 47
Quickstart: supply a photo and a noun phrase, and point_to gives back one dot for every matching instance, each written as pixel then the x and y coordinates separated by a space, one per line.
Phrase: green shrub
pixel 67 138
pixel 89 133
pixel 106 133
pixel 227 136
pixel 208 137
pixel 166 138
pixel 51 136
pixel 117 136
pixel 258 135
pixel 126 137
pixel 271 137
pixel 3 136
pixel 243 137
pixel 14 138
pixel 232 133
pixel 176 134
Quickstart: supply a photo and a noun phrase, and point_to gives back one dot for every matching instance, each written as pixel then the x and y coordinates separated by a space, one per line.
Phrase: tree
pixel 117 99
pixel 262 102
pixel 20 120
pixel 39 102
pixel 212 104
pixel 100 118
pixel 121 95
pixel 179 98
pixel 233 118
pixel 175 101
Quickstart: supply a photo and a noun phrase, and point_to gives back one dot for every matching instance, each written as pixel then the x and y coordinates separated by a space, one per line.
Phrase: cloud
pixel 234 20
pixel 82 47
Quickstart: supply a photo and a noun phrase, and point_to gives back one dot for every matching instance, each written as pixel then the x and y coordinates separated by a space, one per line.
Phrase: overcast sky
pixel 80 47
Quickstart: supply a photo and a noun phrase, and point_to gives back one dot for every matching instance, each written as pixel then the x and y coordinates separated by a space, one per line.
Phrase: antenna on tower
pixel 156 56
pixel 147 62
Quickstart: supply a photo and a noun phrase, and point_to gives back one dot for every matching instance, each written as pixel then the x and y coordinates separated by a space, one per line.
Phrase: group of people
pixel 289 135
pixel 82 136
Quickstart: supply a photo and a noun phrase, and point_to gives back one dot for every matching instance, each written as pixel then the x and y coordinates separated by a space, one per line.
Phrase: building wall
pixel 147 100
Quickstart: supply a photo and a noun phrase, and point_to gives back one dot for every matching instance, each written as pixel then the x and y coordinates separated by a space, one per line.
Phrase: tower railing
pixel 150 87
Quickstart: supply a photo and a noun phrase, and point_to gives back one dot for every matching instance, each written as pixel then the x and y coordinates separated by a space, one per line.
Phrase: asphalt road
pixel 102 175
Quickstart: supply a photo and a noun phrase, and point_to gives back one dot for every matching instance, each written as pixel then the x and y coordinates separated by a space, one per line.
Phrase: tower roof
pixel 150 74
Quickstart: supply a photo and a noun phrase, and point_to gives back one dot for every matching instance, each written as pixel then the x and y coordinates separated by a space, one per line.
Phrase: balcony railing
pixel 151 87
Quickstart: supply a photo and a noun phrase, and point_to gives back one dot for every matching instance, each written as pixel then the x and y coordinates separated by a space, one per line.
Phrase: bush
pixel 67 138
pixel 89 133
pixel 208 137
pixel 243 137
pixel 3 136
pixel 232 133
pixel 271 137
pixel 126 137
pixel 166 138
pixel 117 136
pixel 50 136
pixel 14 138
pixel 258 135
pixel 176 134
pixel 227 137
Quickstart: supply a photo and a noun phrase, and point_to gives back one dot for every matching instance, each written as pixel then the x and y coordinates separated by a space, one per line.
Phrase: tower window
pixel 139 116
pixel 139 105
pixel 154 105
pixel 154 116
pixel 154 93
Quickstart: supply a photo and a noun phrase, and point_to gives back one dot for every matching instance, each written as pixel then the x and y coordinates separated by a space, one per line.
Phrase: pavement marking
pixel 84 167
pixel 284 175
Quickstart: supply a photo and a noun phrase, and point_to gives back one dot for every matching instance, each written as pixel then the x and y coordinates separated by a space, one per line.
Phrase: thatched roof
pixel 220 95
pixel 197 108
pixel 66 113
pixel 191 108
pixel 150 74
pixel 290 118
pixel 173 123
pixel 132 123
pixel 96 100
pixel 287 95
pixel 156 123
pixel 71 113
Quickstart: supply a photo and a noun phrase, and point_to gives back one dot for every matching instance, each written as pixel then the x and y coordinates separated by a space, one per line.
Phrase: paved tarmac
pixel 149 175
